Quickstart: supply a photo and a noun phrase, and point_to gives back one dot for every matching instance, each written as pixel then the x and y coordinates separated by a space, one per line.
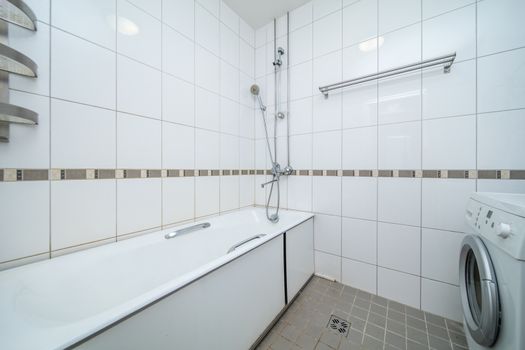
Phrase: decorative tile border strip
pixel 14 175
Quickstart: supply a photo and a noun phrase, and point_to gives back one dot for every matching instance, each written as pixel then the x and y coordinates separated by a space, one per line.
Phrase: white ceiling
pixel 259 12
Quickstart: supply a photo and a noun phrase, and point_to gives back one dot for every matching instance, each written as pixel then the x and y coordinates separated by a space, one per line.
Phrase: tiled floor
pixel 376 323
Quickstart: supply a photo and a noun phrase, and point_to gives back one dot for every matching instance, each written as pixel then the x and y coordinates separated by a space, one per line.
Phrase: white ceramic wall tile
pixel 326 195
pixel 501 81
pixel 327 150
pixel 327 34
pixel 400 146
pixel 452 32
pixel 439 255
pixel 138 205
pixel 398 286
pixel 246 153
pixel 247 193
pixel 229 152
pixel 229 45
pixel 260 193
pixel 229 116
pixel 449 143
pixel 359 22
pixel 247 122
pixel 207 153
pixel 397 14
pixel 229 195
pixel 398 247
pixel 207 30
pixel 359 240
pixel 229 81
pixel 507 186
pixel 138 142
pixel 92 67
pixel 178 146
pixel 360 148
pixel 82 212
pixel 500 140
pixel 359 60
pixel 441 299
pixel 207 70
pixel 207 195
pixel 326 112
pixel 299 192
pixel 213 6
pixel 400 47
pixel 40 9
pixel 260 37
pixel 143 99
pixel 22 237
pixel 138 34
pixel 327 234
pixel 360 106
pixel 359 275
pixel 178 56
pixel 93 20
pixel 301 151
pixel 207 110
pixel 74 128
pixel 451 94
pixel 301 81
pixel 328 265
pixel 322 8
pixel 301 45
pixel 247 33
pixel 301 16
pixel 178 200
pixel 499 26
pixel 436 7
pixel 229 17
pixel 28 146
pixel 326 70
pixel 246 59
pixel 400 99
pixel 360 197
pixel 180 15
pixel 399 200
pixel 154 7
pixel 178 100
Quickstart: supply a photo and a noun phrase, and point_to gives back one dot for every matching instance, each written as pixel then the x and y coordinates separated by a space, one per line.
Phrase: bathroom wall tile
pixel 229 116
pixel 400 47
pixel 457 88
pixel 260 37
pixel 245 96
pixel 261 158
pixel 178 100
pixel 400 146
pixel 359 275
pixel 207 153
pixel 229 82
pixel 327 195
pixel 398 247
pixel 359 22
pixel 499 26
pixel 178 55
pixel 92 66
pixel 301 16
pixel 40 9
pixel 433 8
pixel 75 128
pixel 207 30
pixel 229 17
pixel 138 34
pixel 246 191
pixel 179 14
pixel 213 6
pixel 21 237
pixel 143 99
pixel 441 299
pixel 400 99
pixel 246 153
pixel 93 20
pixel 246 59
pixel 359 240
pixel 394 15
pixel 507 186
pixel 327 112
pixel 327 35
pixel 459 27
pixel 301 151
pixel 399 200
pixel 328 265
pixel 301 81
pixel 501 81
pixel 300 116
pixel 178 201
pixel 359 60
pixel 229 46
pixel 229 195
pixel 327 150
pixel 327 70
pixel 360 106
pixel 260 192
pixel 35 45
pixel 260 61
pixel 301 44
pixel 207 195
pixel 322 8
pixel 500 140
pixel 449 143
pixel 439 255
pixel 229 152
pixel 178 146
pixel 153 8
pixel 299 193
pixel 82 212
pixel 327 234
pixel 247 122
pixel 28 145
pixel 360 148
pixel 207 110
pixel 138 142
pixel 360 197
pixel 207 70
pixel 138 205
pixel 398 286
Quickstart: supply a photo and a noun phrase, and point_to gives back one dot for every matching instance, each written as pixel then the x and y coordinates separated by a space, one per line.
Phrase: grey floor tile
pixel 358 312
pixel 281 344
pixel 396 316
pixel 322 346
pixel 394 305
pixel 355 337
pixel 378 309
pixel 417 336
pixel 372 343
pixel 356 323
pixel 291 333
pixel 362 303
pixel 416 323
pixel 395 340
pixel 416 313
pixel 330 338
pixel 437 331
pixel 377 320
pixel 439 344
pixel 458 339
pixel 455 326
pixel 363 295
pixel 411 345
pixel 374 331
pixel 437 320
pixel 376 299
pixel 306 341
pixel 396 327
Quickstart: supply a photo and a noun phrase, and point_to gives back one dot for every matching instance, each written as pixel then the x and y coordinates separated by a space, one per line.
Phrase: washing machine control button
pixel 504 230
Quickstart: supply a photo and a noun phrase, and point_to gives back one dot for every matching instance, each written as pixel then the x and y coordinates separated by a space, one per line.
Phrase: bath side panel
pixel 299 256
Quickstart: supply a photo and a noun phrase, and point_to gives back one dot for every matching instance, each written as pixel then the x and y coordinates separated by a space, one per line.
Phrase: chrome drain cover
pixel 338 325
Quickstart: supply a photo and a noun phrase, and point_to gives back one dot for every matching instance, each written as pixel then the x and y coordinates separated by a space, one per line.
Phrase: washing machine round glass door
pixel 479 291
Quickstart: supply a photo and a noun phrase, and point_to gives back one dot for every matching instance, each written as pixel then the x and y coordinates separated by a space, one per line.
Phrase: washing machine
pixel 492 272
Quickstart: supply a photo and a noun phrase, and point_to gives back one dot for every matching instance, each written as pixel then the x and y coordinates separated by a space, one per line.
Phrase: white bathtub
pixel 95 298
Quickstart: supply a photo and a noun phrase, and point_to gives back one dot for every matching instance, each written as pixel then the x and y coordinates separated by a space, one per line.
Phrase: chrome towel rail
pixel 187 230
pixel 446 61
pixel 235 246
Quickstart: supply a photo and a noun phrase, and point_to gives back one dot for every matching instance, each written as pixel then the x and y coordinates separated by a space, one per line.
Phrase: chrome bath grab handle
pixel 235 246
pixel 187 230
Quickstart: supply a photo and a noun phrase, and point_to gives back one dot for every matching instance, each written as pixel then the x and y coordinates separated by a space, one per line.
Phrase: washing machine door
pixel 479 291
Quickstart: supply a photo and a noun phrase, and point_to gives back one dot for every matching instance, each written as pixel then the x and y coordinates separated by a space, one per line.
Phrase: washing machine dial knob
pixel 504 230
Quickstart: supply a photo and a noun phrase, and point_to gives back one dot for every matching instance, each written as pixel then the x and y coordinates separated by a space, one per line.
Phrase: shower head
pixel 254 89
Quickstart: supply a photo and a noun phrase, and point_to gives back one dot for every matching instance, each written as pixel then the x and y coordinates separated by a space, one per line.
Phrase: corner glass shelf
pixel 16 62
pixel 18 13
pixel 17 115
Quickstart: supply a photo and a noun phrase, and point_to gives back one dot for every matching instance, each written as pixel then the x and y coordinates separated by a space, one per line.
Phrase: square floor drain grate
pixel 339 325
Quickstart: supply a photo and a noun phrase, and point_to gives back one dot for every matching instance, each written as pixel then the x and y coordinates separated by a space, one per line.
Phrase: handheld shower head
pixel 254 89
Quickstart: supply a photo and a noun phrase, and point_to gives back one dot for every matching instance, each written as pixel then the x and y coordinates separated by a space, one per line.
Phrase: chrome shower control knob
pixel 280 115
pixel 504 230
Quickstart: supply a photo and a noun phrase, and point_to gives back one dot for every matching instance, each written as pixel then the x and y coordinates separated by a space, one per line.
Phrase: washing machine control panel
pixel 505 230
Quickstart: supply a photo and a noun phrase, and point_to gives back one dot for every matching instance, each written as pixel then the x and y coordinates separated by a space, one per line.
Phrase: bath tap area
pixel 243 174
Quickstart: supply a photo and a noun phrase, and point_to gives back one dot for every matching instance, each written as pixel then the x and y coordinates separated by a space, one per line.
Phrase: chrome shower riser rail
pixel 446 61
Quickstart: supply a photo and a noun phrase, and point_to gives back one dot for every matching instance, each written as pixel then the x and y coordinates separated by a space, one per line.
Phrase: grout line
pixel 50 147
